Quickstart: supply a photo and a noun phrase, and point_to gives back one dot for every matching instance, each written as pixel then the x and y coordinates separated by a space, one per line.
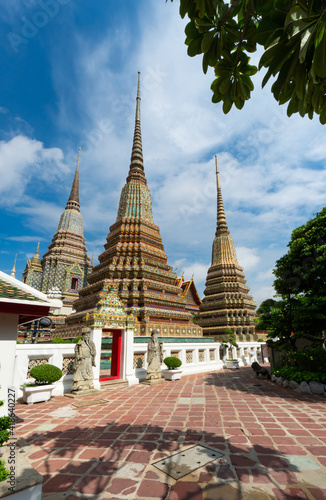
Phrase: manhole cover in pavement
pixel 187 461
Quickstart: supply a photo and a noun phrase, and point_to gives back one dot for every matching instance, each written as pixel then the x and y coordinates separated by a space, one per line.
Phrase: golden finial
pixel 138 98
pixel 77 168
pixel 13 271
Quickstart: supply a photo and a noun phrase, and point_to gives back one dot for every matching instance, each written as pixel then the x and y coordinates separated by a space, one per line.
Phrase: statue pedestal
pixel 154 381
pixel 79 394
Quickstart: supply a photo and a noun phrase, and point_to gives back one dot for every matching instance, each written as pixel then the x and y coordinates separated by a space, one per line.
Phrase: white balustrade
pixel 202 357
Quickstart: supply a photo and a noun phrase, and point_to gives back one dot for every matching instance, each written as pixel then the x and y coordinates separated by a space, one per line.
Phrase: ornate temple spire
pixel 73 201
pixel 36 257
pixel 227 303
pixel 13 271
pixel 135 200
pixel 136 170
pixel 221 226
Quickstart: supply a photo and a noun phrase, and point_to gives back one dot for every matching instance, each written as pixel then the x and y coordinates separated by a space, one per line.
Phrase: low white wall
pixel 246 354
pixel 196 357
pixel 54 353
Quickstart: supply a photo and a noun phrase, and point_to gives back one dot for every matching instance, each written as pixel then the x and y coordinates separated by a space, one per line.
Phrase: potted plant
pixel 5 425
pixel 45 376
pixel 228 343
pixel 174 371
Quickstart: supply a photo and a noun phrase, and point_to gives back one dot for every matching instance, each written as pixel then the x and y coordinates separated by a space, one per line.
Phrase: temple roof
pixel 18 298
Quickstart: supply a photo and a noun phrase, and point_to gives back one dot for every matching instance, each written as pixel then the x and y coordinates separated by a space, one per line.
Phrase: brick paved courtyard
pixel 272 440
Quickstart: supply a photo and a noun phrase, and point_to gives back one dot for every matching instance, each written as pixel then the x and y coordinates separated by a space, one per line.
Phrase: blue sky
pixel 68 79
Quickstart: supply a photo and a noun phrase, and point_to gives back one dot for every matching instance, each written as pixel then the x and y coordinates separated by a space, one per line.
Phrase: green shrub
pixel 5 425
pixel 59 340
pixel 46 374
pixel 4 473
pixel 172 362
pixel 311 359
pixel 77 339
pixel 299 375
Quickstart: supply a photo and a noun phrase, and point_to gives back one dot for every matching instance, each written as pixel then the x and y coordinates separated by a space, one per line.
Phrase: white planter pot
pixel 232 364
pixel 37 393
pixel 172 374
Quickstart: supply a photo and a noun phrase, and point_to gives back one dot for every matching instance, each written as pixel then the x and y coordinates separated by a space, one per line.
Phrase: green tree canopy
pixel 292 33
pixel 303 268
pixel 301 285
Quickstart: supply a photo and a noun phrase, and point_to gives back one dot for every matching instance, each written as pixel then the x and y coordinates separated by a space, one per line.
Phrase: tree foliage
pixel 303 268
pixel 301 285
pixel 292 33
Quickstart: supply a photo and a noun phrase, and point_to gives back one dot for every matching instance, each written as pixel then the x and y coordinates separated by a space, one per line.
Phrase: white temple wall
pixel 196 357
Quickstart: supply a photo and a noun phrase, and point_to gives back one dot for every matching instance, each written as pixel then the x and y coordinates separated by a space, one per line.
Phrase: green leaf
pixel 322 118
pixel 239 103
pixel 184 4
pixel 319 64
pixel 293 106
pixel 306 39
pixel 227 105
pixel 207 40
pixel 295 14
pixel 201 7
pixel 191 30
pixel 194 47
pixel 205 63
pixel 225 84
pixel 247 82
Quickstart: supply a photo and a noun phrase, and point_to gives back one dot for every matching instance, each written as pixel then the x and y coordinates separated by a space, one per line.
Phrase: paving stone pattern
pixel 273 441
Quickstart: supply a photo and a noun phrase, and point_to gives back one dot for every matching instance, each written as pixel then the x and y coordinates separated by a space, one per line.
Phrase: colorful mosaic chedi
pixel 134 259
pixel 65 266
pixel 227 304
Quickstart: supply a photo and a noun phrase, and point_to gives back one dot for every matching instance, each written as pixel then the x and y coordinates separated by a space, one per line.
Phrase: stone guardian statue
pixel 85 353
pixel 154 357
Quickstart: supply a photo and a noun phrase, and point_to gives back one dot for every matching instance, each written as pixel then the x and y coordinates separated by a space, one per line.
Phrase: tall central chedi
pixel 134 260
pixel 226 305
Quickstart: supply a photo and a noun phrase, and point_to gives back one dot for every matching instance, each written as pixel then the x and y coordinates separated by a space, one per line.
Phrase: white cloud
pixel 23 160
pixel 247 257
pixel 23 239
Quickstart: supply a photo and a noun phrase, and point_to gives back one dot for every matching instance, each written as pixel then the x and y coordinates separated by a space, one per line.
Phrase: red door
pixel 115 356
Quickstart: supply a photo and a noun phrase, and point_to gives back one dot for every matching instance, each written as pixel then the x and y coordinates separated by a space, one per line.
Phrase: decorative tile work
pixel 201 355
pixel 139 360
pixel 189 356
pixel 8 291
pixel 68 365
pixel 212 354
pixel 175 354
pixel 36 362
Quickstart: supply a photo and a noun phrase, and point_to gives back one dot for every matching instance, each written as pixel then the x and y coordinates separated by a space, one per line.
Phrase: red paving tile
pixel 152 489
pixel 59 483
pixel 290 494
pixel 183 490
pixel 134 429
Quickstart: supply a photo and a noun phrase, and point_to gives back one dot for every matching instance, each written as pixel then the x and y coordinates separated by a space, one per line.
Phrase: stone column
pixel 96 337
